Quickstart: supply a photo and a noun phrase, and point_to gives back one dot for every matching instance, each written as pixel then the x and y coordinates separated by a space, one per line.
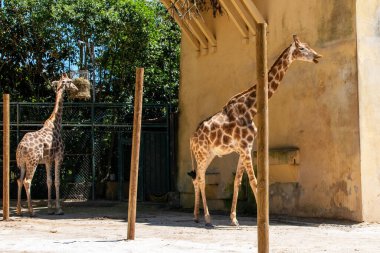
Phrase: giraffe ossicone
pixel 233 130
pixel 44 146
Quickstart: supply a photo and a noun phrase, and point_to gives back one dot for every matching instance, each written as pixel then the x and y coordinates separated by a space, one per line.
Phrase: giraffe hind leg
pixel 237 183
pixel 19 188
pixel 30 169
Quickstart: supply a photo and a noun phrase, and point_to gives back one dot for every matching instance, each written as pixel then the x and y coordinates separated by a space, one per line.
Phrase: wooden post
pixel 133 179
pixel 6 140
pixel 262 141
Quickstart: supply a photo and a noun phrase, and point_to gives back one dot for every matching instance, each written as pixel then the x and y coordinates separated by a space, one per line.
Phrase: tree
pixel 39 40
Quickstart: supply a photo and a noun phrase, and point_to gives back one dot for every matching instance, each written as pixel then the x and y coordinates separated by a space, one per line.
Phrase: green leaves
pixel 39 41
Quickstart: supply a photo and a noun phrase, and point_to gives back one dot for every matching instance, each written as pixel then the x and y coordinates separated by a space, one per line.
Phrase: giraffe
pixel 232 130
pixel 44 146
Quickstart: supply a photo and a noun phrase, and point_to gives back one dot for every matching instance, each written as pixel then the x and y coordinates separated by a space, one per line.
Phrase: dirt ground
pixel 101 226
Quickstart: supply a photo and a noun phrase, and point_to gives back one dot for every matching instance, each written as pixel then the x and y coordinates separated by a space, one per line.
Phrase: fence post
pixel 93 150
pixel 262 141
pixel 133 179
pixel 6 143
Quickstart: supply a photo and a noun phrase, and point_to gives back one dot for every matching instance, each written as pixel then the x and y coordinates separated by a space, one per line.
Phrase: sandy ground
pixel 102 227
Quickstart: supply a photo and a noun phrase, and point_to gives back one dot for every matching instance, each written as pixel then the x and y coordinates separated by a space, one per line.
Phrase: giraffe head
pixel 301 51
pixel 64 83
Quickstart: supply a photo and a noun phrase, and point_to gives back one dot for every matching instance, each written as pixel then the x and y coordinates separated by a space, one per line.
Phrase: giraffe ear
pixel 54 85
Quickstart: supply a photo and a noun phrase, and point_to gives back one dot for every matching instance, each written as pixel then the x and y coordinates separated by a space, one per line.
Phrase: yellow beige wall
pixel 368 27
pixel 314 110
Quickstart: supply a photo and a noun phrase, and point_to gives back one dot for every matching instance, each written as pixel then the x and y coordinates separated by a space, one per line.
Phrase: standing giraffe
pixel 233 130
pixel 44 146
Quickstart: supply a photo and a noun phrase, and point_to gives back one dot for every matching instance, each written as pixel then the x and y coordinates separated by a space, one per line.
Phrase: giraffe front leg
pixel 251 175
pixel 237 183
pixel 196 201
pixel 57 183
pixel 49 183
pixel 202 186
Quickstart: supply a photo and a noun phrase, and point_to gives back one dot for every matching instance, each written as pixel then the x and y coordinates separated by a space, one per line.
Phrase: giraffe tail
pixel 192 173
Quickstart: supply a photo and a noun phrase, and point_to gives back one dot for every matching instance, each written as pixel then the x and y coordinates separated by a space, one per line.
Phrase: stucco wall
pixel 315 108
pixel 368 26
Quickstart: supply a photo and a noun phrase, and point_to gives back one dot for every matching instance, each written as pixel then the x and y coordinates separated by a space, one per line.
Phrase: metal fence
pixel 97 140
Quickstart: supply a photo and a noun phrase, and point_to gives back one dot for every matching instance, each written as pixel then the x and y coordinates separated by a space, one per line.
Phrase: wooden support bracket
pixel 251 7
pixel 245 15
pixel 233 14
pixel 182 25
pixel 206 31
pixel 196 31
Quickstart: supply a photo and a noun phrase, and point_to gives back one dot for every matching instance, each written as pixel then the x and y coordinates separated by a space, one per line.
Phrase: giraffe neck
pixel 245 103
pixel 55 119
pixel 278 70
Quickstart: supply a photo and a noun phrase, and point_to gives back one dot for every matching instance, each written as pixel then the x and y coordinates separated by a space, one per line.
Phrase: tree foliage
pixel 39 39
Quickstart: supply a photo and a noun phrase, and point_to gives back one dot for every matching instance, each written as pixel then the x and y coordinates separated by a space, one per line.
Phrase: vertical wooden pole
pixel 135 153
pixel 6 140
pixel 262 140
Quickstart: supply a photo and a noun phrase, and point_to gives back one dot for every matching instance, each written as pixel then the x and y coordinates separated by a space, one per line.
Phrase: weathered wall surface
pixel 314 110
pixel 368 27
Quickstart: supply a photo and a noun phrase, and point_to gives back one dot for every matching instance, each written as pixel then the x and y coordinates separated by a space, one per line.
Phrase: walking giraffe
pixel 44 146
pixel 233 130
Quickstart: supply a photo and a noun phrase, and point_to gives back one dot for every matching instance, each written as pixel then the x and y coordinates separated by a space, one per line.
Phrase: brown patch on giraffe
pixel 250 101
pixel 241 109
pixel 228 129
pixel 237 133
pixel 244 132
pixel 270 78
pixel 241 100
pixel 249 138
pixel 277 77
pixel 214 126
pixel 213 136
pixel 226 139
pixel 243 144
pixel 274 85
pixel 219 134
pixel 218 142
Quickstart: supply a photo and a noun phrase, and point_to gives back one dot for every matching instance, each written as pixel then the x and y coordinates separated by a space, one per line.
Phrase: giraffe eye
pixel 301 48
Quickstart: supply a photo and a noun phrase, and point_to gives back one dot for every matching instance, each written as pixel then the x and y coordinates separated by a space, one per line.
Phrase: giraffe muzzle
pixel 316 57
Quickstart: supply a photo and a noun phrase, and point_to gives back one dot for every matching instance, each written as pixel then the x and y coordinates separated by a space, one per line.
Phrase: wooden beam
pixel 262 140
pixel 134 173
pixel 245 15
pixel 6 150
pixel 232 13
pixel 254 11
pixel 194 41
pixel 206 31
pixel 192 25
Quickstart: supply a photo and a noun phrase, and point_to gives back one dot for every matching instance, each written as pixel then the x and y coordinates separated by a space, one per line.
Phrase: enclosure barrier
pixel 262 141
pixel 135 153
pixel 6 147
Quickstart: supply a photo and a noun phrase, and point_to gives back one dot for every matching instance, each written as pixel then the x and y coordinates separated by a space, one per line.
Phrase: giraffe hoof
pixel 209 225
pixel 196 220
pixel 50 211
pixel 59 212
pixel 235 223
pixel 32 215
